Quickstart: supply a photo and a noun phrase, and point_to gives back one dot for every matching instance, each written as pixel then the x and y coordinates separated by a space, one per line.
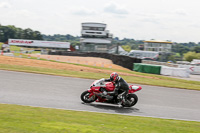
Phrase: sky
pixel 175 20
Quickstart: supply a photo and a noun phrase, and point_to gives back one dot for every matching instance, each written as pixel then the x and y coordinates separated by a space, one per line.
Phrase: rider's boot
pixel 120 104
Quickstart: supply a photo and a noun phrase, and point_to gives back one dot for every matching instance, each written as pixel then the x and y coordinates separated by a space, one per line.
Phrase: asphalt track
pixel 64 93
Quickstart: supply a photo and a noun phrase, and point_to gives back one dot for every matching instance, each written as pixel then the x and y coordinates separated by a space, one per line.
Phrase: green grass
pixel 166 82
pixel 15 48
pixel 160 81
pixel 25 119
pixel 0 45
pixel 169 79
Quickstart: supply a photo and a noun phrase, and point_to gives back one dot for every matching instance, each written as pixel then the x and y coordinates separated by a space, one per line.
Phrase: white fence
pixel 191 69
pixel 177 72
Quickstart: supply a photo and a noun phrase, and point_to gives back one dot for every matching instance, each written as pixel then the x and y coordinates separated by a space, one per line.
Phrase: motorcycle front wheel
pixel 85 97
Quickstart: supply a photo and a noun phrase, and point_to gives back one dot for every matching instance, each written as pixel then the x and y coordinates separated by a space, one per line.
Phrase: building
pixel 158 46
pixel 146 55
pixel 39 44
pixel 162 47
pixel 95 37
pixel 153 50
pixel 43 46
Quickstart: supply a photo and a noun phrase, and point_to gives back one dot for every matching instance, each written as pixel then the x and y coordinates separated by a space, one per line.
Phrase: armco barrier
pixel 122 60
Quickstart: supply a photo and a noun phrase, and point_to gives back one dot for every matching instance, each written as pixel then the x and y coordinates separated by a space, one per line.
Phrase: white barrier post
pixel 20 55
pixel 102 64
pixel 86 62
pixel 58 59
pixel 13 53
pixel 38 57
pixel 68 61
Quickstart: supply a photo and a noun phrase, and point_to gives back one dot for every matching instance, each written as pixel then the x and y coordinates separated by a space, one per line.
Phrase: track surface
pixel 64 93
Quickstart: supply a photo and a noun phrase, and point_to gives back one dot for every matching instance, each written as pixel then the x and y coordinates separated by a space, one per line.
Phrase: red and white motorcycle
pixel 96 89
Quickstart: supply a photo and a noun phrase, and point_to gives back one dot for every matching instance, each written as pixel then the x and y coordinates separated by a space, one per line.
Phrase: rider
pixel 120 84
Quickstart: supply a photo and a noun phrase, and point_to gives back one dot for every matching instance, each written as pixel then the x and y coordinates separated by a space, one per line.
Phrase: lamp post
pixel 117 50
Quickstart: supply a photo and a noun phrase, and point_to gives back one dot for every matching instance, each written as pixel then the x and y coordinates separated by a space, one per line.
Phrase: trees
pixel 196 49
pixel 127 48
pixel 126 43
pixel 37 35
pixel 75 41
pixel 58 37
pixel 191 55
pixel 13 32
pixel 179 48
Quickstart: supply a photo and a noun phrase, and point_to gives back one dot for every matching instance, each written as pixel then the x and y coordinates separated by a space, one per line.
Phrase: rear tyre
pixel 132 100
pixel 85 97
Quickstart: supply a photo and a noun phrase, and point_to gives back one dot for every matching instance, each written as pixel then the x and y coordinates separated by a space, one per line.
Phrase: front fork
pixel 95 95
pixel 91 94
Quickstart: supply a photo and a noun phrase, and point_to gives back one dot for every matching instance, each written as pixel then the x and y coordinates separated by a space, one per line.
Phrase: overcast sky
pixel 175 20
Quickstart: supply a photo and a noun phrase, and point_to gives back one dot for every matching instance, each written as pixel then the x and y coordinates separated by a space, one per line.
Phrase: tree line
pixel 13 32
pixel 10 31
pixel 75 41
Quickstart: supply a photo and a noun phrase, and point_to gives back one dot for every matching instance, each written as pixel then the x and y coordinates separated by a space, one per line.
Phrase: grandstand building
pixel 153 50
pixel 95 37
pixel 158 46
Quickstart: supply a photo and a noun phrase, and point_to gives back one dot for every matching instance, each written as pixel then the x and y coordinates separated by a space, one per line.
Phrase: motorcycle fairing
pixel 134 88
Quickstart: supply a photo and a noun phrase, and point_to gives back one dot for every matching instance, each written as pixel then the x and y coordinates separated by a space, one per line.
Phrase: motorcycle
pixel 95 93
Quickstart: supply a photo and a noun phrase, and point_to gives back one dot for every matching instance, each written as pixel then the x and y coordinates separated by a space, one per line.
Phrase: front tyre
pixel 85 97
pixel 132 99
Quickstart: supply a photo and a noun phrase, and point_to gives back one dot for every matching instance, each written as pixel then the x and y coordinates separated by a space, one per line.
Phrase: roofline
pixel 144 51
pixel 92 23
pixel 158 41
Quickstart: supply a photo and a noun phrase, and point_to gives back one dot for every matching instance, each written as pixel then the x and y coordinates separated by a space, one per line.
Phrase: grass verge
pixel 166 82
pixel 130 72
pixel 25 119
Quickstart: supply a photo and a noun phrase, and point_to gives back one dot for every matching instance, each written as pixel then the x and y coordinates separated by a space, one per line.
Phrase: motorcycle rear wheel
pixel 132 99
pixel 85 97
